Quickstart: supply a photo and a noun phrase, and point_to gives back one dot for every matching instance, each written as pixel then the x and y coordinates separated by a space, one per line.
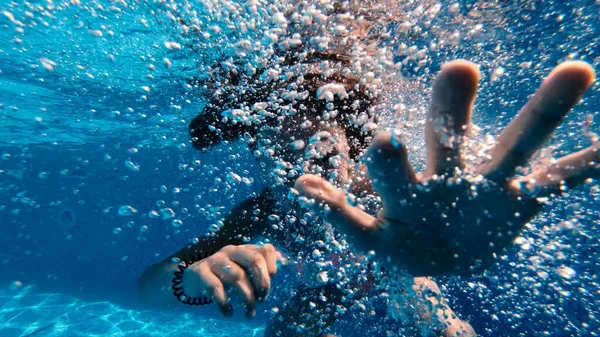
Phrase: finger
pixel 534 124
pixel 388 165
pixel 567 173
pixel 449 116
pixel 271 257
pixel 363 228
pixel 245 292
pixel 235 278
pixel 256 267
pixel 211 285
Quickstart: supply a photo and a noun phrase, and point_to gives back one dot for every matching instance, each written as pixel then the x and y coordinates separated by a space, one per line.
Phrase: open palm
pixel 453 219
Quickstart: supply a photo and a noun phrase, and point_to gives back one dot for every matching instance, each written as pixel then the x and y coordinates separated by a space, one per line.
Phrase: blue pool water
pixel 94 107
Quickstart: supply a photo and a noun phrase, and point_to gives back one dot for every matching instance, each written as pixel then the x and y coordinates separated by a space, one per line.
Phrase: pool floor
pixel 29 313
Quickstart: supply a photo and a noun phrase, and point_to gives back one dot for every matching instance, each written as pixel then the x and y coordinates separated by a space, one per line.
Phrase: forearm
pixel 433 306
pixel 154 286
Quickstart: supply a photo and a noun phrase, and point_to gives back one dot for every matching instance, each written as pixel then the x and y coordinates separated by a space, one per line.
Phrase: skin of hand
pixel 243 270
pixel 439 223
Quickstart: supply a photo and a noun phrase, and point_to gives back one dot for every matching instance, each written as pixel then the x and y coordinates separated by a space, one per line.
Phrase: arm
pixel 431 301
pixel 154 285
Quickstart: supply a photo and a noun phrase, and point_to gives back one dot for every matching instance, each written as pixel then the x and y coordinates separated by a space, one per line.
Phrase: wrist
pixel 182 274
pixel 189 282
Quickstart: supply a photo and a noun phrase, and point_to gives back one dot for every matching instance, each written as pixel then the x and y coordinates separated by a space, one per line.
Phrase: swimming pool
pixel 98 179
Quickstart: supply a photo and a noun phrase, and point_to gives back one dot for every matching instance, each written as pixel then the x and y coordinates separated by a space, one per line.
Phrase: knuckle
pixel 255 259
pixel 228 248
pixel 235 274
pixel 195 273
pixel 218 257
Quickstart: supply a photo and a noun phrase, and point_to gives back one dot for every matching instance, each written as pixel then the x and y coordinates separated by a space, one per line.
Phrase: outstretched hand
pixel 452 218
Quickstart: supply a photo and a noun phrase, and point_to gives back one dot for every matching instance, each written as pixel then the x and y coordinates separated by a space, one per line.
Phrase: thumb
pixel 362 228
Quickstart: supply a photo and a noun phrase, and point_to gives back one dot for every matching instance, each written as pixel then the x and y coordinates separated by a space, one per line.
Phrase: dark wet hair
pixel 238 91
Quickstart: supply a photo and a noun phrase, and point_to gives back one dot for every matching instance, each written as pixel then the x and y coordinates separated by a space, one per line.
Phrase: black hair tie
pixel 178 280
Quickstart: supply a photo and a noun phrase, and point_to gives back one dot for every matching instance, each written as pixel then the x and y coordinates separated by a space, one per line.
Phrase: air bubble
pixel 369 126
pixel 529 188
pixel 233 178
pixel 15 285
pixel 132 166
pixel 127 210
pixel 398 139
pixel 322 277
pixel 567 272
pixel 47 64
pixel 167 213
pixel 328 92
pixel 305 124
pixel 298 144
pixel 173 45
